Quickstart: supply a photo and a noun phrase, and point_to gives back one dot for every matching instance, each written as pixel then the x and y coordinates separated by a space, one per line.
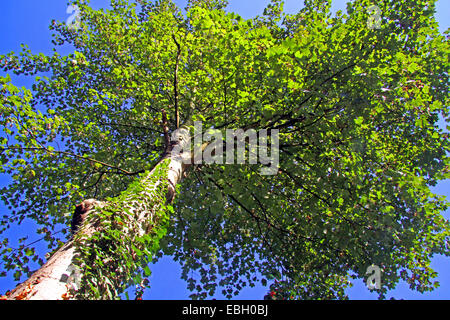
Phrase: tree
pixel 354 102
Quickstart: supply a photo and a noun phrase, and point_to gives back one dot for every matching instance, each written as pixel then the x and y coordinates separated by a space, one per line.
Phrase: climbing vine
pixel 125 234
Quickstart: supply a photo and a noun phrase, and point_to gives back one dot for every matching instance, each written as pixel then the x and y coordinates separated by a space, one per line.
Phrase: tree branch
pixel 175 82
pixel 165 131
pixel 73 155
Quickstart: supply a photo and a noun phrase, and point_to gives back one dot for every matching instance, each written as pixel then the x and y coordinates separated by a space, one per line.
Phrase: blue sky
pixel 27 21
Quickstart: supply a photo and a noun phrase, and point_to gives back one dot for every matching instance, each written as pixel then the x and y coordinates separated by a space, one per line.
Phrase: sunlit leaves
pixel 357 111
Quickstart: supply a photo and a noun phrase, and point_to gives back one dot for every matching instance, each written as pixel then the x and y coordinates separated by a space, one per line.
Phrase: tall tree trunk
pixel 58 278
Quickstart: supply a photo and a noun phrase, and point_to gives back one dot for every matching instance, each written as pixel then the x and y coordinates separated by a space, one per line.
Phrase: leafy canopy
pixel 357 109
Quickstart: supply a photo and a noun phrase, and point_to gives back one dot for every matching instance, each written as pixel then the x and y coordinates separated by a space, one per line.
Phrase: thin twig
pixel 72 155
pixel 165 130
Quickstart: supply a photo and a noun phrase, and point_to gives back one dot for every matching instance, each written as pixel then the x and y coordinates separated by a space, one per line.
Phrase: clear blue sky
pixel 27 21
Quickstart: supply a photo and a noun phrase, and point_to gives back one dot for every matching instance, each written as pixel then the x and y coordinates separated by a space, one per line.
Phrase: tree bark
pixel 57 278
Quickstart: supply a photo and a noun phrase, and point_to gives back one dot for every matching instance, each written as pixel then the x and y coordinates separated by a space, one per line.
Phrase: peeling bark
pixel 48 282
pixel 80 214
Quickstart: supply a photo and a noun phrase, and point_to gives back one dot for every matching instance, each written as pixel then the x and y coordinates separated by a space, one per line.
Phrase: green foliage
pixel 128 229
pixel 357 110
